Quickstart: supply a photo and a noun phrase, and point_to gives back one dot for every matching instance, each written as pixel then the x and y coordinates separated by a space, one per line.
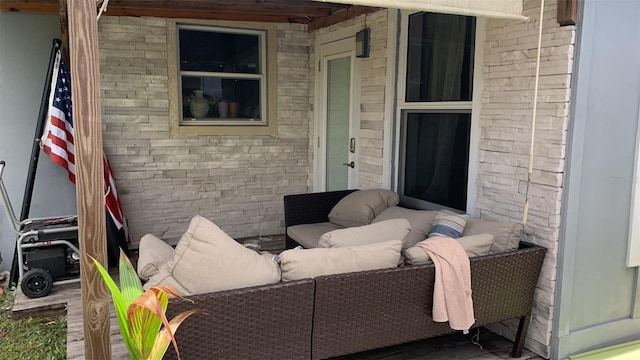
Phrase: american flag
pixel 57 140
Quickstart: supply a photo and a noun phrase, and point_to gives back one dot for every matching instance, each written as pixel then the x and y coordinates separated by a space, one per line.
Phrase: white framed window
pixel 225 76
pixel 222 75
pixel 435 103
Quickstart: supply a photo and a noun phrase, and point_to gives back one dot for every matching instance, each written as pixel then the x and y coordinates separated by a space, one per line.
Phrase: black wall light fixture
pixel 362 43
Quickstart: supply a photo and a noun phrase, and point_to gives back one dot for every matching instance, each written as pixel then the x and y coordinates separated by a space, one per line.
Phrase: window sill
pixel 223 122
pixel 241 130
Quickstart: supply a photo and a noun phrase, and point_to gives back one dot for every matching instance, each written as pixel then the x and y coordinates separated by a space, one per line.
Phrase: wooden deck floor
pixel 67 298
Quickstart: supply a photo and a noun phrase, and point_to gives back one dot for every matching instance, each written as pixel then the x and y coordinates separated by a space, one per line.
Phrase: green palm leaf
pixel 120 306
pixel 141 314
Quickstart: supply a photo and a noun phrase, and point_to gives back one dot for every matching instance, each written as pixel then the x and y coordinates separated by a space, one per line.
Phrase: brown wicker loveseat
pixel 347 313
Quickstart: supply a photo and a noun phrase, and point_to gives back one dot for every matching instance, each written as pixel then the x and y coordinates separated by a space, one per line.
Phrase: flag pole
pixel 35 150
pixel 42 119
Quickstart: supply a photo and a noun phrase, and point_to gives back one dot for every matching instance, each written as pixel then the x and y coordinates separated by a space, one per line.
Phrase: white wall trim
pixel 390 93
pixel 317 97
pixel 476 109
pixel 401 76
pixel 633 252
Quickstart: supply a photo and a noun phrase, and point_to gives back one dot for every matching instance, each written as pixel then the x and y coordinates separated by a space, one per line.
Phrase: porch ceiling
pixel 315 13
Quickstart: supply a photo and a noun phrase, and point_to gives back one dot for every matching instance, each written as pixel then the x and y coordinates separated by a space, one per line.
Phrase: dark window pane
pixel 437 158
pixel 213 51
pixel 440 57
pixel 222 94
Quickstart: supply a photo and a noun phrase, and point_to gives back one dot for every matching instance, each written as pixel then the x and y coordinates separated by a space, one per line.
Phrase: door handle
pixel 351 164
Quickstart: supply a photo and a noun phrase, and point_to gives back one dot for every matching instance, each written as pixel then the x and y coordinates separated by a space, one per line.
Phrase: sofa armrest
pixel 311 208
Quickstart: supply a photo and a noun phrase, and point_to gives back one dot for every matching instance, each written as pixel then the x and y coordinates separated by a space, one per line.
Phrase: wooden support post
pixel 567 12
pixel 85 80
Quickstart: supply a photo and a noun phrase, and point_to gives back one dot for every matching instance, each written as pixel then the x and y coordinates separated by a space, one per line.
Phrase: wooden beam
pixel 291 8
pixel 249 4
pixel 51 7
pixel 85 81
pixel 46 6
pixel 198 14
pixel 301 11
pixel 567 12
pixel 340 16
pixel 64 31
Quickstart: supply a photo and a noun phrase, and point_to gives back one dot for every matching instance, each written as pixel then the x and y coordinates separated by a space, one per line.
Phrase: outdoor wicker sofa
pixel 347 313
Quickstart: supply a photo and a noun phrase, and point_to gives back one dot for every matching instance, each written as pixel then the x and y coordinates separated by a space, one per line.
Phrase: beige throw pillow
pixel 506 234
pixel 475 245
pixel 207 260
pixel 153 253
pixel 310 263
pixel 394 229
pixel 420 220
pixel 448 223
pixel 361 207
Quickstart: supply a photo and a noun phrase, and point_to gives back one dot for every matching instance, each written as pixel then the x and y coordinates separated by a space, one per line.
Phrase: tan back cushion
pixel 474 245
pixel 394 229
pixel 506 235
pixel 361 207
pixel 207 260
pixel 310 263
pixel 153 253
pixel 420 220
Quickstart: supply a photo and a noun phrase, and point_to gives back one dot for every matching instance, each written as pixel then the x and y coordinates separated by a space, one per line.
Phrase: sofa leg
pixel 521 336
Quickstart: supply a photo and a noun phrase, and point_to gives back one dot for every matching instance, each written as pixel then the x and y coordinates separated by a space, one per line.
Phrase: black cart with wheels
pixel 47 249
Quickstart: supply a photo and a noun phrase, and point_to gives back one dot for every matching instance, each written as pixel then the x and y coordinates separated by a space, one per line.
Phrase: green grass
pixel 32 338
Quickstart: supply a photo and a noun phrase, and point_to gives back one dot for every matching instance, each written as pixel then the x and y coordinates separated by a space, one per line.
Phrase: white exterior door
pixel 338 117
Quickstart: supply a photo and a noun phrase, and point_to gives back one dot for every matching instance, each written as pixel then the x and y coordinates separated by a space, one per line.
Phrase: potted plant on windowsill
pixel 144 327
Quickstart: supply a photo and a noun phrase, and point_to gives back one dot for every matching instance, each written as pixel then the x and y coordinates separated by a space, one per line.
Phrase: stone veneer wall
pixel 236 181
pixel 372 97
pixel 506 116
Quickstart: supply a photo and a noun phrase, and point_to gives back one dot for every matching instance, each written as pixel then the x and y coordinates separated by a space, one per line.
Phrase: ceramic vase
pixel 199 105
pixel 223 108
pixel 233 109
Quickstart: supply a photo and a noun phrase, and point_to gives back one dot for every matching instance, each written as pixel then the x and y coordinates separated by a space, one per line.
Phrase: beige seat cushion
pixel 310 263
pixel 420 220
pixel 361 207
pixel 308 235
pixel 153 253
pixel 473 245
pixel 206 260
pixel 394 229
pixel 506 235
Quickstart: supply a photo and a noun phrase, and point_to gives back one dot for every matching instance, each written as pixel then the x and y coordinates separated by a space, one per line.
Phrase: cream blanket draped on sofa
pixel 452 288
